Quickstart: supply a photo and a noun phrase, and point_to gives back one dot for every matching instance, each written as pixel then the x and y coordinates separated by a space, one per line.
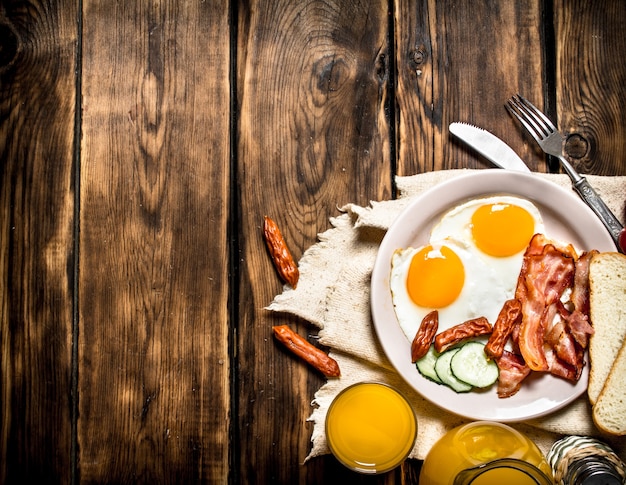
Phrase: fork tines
pixel 530 116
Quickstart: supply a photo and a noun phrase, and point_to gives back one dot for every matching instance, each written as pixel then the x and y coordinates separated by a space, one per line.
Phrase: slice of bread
pixel 609 411
pixel 607 298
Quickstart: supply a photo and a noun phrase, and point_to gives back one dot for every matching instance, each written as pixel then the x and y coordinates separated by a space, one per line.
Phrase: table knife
pixel 489 146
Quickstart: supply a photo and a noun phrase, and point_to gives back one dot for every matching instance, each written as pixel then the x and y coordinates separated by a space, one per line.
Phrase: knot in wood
pixel 417 57
pixel 576 146
pixel 9 45
pixel 331 73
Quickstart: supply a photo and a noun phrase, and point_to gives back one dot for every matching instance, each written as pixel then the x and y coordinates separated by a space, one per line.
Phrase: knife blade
pixel 489 146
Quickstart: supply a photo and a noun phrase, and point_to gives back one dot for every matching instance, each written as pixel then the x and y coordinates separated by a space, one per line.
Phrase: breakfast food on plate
pixel 607 281
pixel 424 336
pixel 442 276
pixel 487 261
pixel 443 369
pixel 507 319
pixel 470 266
pixel 471 365
pixel 555 326
pixel 460 368
pixel 281 256
pixel 475 327
pixel 306 351
pixel 513 371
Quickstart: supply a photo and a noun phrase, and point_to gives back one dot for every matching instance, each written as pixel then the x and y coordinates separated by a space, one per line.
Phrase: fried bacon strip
pixel 508 318
pixel 562 344
pixel 424 336
pixel 578 324
pixel 564 350
pixel 513 370
pixel 553 335
pixel 580 292
pixel 560 368
pixel 306 351
pixel 463 331
pixel 281 256
pixel 546 273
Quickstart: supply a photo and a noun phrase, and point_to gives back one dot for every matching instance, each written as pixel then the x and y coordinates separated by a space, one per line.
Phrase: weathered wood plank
pixel 37 107
pixel 590 80
pixel 312 134
pixel 461 61
pixel 314 130
pixel 153 283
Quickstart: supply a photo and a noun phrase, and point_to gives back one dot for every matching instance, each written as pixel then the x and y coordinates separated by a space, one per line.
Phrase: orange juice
pixel 505 471
pixel 500 476
pixel 480 443
pixel 370 427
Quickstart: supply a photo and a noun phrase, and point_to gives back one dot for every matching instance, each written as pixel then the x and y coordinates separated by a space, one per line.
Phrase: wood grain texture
pixel 134 341
pixel 312 134
pixel 154 376
pixel 37 93
pixel 461 61
pixel 590 83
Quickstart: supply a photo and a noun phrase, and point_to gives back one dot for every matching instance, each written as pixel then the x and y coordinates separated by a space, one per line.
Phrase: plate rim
pixel 528 186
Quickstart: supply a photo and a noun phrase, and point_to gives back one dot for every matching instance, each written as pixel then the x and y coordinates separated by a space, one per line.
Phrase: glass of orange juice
pixel 370 427
pixel 485 453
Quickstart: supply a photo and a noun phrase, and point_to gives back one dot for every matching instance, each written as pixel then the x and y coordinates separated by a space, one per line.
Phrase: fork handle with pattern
pixel 597 205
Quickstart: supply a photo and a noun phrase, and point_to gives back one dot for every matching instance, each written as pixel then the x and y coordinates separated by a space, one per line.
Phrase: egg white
pixel 489 280
pixel 457 224
pixel 482 293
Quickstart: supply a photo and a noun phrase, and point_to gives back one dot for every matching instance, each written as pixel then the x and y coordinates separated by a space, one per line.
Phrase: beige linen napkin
pixel 333 294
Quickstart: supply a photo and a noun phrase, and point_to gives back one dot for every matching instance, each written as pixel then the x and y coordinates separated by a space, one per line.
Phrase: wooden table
pixel 141 144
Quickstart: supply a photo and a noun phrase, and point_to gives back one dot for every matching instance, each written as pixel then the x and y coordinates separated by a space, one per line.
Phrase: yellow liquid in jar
pixel 477 443
pixel 370 428
pixel 504 476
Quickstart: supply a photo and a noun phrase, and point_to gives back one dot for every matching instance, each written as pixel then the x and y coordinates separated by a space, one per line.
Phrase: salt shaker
pixel 580 460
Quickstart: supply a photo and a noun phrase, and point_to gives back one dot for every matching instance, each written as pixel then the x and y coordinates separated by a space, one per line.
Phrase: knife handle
pixel 597 205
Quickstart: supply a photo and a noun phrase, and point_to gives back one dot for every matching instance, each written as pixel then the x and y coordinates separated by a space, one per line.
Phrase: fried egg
pixel 498 227
pixel 470 266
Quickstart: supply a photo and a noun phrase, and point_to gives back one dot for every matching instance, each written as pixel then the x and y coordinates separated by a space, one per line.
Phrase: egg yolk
pixel 435 277
pixel 502 229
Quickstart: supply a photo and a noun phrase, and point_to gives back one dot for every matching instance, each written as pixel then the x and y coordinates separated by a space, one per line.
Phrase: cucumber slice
pixel 426 365
pixel 471 365
pixel 443 370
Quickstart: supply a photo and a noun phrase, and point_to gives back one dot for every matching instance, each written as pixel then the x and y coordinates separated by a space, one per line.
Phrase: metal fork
pixel 551 142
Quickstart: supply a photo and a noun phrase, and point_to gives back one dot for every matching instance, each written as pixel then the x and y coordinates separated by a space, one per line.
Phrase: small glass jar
pixel 581 460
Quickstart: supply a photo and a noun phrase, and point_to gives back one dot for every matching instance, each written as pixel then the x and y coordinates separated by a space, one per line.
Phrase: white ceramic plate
pixel 566 218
